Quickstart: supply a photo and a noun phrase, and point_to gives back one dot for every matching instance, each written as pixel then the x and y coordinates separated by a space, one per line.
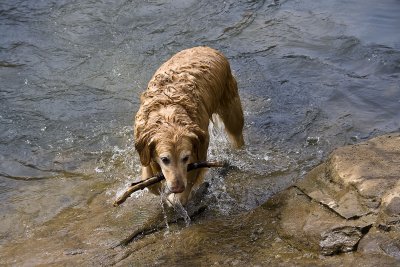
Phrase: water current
pixel 312 75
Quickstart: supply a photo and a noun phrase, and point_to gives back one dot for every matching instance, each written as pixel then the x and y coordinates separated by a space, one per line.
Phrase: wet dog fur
pixel 171 125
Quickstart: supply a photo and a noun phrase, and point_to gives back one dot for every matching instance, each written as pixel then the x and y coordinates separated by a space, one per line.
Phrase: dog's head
pixel 172 148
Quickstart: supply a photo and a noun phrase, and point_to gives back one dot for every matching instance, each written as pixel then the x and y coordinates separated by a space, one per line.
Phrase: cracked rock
pixel 344 239
pixel 334 207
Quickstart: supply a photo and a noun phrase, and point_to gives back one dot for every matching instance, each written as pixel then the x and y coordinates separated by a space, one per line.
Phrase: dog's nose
pixel 177 187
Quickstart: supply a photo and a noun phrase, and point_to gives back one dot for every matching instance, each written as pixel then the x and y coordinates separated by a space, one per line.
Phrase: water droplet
pixel 98 170
pixel 312 141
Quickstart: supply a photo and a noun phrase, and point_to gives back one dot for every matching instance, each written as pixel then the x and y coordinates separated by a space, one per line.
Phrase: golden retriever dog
pixel 171 125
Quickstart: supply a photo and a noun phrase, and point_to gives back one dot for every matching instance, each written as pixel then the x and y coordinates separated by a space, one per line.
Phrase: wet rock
pixel 332 211
pixel 311 226
pixel 342 239
pixel 338 202
pixel 380 242
pixel 74 252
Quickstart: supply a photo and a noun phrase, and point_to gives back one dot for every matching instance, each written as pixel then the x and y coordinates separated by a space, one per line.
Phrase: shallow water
pixel 312 75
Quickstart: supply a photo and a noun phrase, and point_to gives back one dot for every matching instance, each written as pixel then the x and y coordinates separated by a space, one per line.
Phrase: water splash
pixel 163 199
pixel 221 200
pixel 181 211
pixel 176 205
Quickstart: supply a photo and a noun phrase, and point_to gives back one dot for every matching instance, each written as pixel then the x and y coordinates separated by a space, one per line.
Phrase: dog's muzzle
pixel 176 187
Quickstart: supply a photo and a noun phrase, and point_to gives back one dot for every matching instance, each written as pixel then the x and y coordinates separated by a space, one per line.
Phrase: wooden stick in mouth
pixel 159 177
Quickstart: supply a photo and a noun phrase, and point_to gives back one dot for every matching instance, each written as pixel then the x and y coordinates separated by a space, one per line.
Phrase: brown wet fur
pixel 175 112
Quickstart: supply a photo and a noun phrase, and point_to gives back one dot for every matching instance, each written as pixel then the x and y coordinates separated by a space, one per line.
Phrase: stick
pixel 159 177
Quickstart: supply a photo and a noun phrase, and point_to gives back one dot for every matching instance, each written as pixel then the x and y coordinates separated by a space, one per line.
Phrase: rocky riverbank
pixel 345 212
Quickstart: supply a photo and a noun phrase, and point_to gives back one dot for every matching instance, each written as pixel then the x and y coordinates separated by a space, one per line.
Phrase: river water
pixel 312 75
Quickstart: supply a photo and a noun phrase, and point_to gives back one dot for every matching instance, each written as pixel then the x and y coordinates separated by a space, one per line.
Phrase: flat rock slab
pixel 358 188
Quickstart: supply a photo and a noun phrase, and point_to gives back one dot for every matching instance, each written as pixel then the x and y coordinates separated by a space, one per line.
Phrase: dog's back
pixel 199 79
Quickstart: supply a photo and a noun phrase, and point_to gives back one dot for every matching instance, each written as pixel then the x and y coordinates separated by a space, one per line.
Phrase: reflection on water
pixel 312 76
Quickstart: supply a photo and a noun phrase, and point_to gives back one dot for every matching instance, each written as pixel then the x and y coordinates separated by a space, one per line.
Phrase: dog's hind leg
pixel 231 114
pixel 233 120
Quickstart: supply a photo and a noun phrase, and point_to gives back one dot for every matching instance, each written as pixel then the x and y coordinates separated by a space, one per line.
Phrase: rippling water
pixel 313 75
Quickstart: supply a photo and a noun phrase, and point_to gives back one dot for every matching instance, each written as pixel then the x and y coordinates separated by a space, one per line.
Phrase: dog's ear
pixel 198 137
pixel 144 147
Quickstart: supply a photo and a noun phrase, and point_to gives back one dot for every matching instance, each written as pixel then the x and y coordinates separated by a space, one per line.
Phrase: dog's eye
pixel 165 160
pixel 185 159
